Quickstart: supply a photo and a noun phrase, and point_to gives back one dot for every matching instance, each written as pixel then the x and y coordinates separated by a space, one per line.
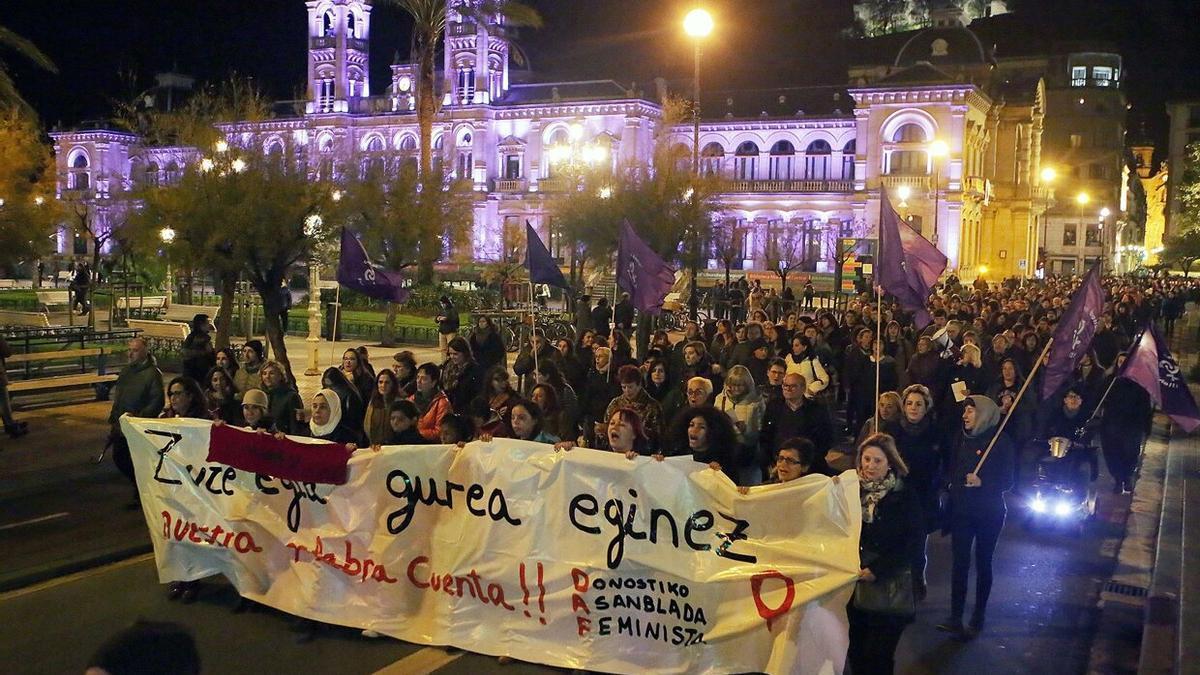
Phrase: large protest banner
pixel 581 559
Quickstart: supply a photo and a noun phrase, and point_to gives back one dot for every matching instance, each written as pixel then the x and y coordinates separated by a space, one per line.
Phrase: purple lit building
pixel 935 122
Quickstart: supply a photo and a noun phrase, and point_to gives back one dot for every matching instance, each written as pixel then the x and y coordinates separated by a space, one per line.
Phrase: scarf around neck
pixel 873 491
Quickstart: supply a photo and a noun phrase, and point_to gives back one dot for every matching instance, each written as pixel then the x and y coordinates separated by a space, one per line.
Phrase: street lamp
pixel 1049 174
pixel 167 235
pixel 904 192
pixel 937 150
pixel 698 24
pixel 312 225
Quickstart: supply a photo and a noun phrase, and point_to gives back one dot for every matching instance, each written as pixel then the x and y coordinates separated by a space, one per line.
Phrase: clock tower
pixel 339 33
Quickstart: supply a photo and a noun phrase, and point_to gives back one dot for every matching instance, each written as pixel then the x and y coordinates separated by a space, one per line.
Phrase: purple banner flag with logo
pixel 355 270
pixel 642 273
pixel 1152 367
pixel 1073 336
pixel 909 264
pixel 542 268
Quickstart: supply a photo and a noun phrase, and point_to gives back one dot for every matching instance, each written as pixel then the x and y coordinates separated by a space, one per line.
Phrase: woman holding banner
pixel 977 509
pixel 883 602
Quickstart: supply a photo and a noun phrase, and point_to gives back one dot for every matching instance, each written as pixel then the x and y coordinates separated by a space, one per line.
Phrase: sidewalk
pixel 1146 609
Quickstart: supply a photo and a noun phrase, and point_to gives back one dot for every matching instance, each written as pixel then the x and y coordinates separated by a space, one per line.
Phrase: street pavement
pixel 59 511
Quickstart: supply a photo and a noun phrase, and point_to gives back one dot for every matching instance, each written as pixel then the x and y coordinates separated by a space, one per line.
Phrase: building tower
pixel 339 34
pixel 477 48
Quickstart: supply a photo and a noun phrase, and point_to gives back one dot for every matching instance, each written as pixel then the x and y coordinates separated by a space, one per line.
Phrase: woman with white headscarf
pixel 325 420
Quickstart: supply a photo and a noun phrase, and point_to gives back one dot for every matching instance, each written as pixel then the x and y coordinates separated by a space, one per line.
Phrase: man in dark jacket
pixel 583 314
pixel 795 415
pixel 139 392
pixel 602 316
pixel 623 313
pixel 447 321
pixel 198 353
pixel 12 427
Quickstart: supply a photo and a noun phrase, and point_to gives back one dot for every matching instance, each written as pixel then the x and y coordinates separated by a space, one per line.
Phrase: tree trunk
pixel 275 338
pixel 389 326
pixel 431 240
pixel 225 311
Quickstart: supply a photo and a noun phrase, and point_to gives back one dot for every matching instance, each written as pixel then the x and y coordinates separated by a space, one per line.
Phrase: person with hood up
pixel 977 509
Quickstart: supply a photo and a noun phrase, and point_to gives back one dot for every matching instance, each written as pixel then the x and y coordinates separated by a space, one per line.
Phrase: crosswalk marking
pixel 426 660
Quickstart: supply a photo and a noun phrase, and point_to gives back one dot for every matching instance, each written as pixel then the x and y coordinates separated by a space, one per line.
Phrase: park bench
pixel 9 317
pixel 161 330
pixel 53 299
pixel 99 380
pixel 184 313
pixel 141 306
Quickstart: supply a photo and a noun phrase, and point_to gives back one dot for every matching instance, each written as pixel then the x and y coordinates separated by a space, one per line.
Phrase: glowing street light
pixel 312 224
pixel 1049 174
pixel 238 165
pixel 1105 212
pixel 939 149
pixel 167 234
pixel 336 195
pixel 698 23
pixel 206 165
pixel 221 146
pixel 576 132
pixel 605 193
pixel 904 192
pixel 39 200
pixel 1082 199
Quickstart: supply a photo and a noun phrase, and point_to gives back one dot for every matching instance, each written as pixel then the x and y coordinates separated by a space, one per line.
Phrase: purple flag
pixel 1152 367
pixel 1074 333
pixel 542 268
pixel 909 264
pixel 355 270
pixel 642 273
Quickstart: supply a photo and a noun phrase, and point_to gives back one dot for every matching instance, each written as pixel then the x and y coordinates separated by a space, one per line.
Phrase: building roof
pixel 776 102
pixel 942 44
pixel 553 92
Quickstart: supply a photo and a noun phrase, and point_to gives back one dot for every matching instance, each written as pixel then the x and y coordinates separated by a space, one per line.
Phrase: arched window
pixel 908 161
pixel 783 156
pixel 329 24
pixel 747 161
pixel 151 175
pixel 848 151
pixel 712 160
pixel 816 160
pixel 464 161
pixel 351 24
pixel 909 133
pixel 80 178
pixel 556 151
pixel 173 172
pixel 407 144
pixel 466 83
pixel 375 144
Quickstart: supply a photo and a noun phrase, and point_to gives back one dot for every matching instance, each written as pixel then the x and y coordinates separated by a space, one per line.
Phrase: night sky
pixel 762 43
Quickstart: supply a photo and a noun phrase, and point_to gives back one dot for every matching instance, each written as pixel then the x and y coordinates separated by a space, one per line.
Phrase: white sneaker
pixel 368 633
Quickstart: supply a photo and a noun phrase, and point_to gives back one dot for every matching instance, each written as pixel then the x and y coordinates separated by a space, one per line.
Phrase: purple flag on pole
pixel 909 264
pixel 542 268
pixel 1152 367
pixel 355 270
pixel 1074 333
pixel 642 273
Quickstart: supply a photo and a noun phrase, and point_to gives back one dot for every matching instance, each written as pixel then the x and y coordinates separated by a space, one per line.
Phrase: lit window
pixel 1069 235
pixel 1078 76
pixel 1102 76
pixel 512 167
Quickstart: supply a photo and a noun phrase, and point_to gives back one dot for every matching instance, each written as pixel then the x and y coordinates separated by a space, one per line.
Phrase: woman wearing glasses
pixel 185 399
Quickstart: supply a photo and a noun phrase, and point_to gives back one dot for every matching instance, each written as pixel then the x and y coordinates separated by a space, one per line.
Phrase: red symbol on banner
pixel 541 592
pixel 768 613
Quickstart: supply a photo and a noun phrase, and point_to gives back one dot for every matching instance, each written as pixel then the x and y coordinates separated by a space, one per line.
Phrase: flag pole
pixel 1116 374
pixel 878 346
pixel 1013 408
pixel 533 329
pixel 337 307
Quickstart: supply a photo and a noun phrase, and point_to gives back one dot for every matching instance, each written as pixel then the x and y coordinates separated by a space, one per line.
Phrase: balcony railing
pixel 774 186
pixel 457 29
pixel 511 185
pixel 553 184
pixel 322 42
pixel 916 182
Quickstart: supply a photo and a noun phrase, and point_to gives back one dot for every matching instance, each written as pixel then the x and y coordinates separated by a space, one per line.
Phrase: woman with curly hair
pixel 376 422
pixel 707 435
pixel 220 397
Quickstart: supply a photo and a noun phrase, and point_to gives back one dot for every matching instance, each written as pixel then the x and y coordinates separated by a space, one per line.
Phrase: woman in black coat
pixel 919 444
pixel 707 435
pixel 891 532
pixel 977 509
pixel 1125 421
pixel 486 344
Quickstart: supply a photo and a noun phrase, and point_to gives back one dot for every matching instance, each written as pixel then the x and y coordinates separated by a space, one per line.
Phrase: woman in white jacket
pixel 803 361
pixel 745 408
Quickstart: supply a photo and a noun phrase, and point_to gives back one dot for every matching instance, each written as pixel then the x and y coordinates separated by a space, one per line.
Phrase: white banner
pixel 581 559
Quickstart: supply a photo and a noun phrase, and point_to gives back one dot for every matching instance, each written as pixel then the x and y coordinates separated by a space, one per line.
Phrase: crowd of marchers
pixel 763 393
